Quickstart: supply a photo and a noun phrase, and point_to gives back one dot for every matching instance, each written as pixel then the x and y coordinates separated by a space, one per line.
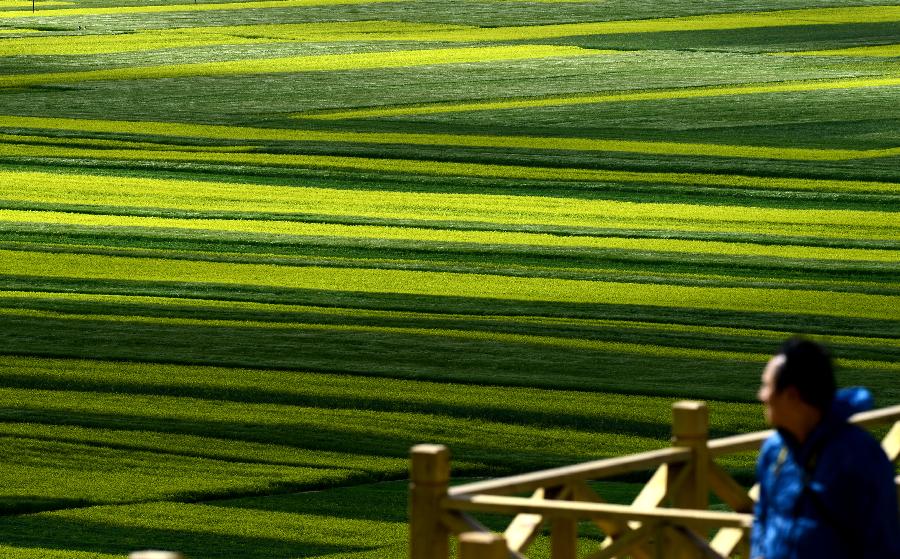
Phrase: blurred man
pixel 826 486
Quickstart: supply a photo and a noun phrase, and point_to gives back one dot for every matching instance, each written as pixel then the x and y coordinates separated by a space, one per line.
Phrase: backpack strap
pixel 849 537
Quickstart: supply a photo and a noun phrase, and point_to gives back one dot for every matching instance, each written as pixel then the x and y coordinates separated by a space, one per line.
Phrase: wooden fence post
pixel 429 478
pixel 482 545
pixel 563 538
pixel 689 482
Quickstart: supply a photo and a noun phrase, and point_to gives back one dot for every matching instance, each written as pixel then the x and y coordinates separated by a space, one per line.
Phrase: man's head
pixel 797 386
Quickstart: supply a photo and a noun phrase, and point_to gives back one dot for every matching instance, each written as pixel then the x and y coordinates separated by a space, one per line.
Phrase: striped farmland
pixel 250 252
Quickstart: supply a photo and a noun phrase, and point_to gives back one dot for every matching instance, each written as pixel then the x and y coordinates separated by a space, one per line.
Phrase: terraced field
pixel 251 252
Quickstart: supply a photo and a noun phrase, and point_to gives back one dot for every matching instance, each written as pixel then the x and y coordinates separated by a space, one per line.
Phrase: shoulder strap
pixel 848 536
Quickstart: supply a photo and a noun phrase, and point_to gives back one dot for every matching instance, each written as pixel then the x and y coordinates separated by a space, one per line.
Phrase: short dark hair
pixel 807 367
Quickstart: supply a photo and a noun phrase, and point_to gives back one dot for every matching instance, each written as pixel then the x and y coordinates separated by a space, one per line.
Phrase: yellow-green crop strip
pixel 273 227
pixel 204 7
pixel 236 133
pixel 616 97
pixel 649 276
pixel 402 31
pixel 56 45
pixel 442 168
pixel 126 192
pixel 118 144
pixel 308 63
pixel 186 37
pixel 94 267
pixel 889 51
pixel 28 3
pixel 744 20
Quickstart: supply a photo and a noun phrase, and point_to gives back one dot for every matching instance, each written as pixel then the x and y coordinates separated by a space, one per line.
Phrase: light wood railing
pixel 685 475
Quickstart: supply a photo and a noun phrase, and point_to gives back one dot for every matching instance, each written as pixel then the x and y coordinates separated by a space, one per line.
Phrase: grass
pixel 316 63
pixel 880 50
pixel 251 252
pixel 155 9
pixel 681 93
pixel 468 140
pixel 77 190
pixel 445 284
pixel 442 168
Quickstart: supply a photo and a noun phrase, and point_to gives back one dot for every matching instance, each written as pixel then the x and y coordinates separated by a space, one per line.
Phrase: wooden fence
pixel 685 475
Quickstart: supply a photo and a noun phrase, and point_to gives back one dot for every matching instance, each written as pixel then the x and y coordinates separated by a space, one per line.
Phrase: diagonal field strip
pixel 25 264
pixel 314 63
pixel 887 51
pixel 205 7
pixel 70 45
pixel 179 130
pixel 121 144
pixel 409 31
pixel 330 314
pixel 738 20
pixel 186 37
pixel 11 218
pixel 444 168
pixel 422 207
pixel 617 97
pixel 529 339
pixel 28 3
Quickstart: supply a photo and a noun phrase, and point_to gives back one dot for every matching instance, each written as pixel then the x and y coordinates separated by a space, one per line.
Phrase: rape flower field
pixel 252 251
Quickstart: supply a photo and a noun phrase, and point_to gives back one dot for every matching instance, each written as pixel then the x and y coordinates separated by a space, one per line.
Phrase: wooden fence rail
pixel 685 475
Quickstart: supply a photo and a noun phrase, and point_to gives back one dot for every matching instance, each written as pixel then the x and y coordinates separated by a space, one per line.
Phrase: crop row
pixel 273 313
pixel 446 237
pixel 205 7
pixel 742 20
pixel 324 32
pixel 444 168
pixel 118 144
pixel 891 51
pixel 309 63
pixel 409 353
pixel 379 433
pixel 343 522
pixel 661 94
pixel 421 207
pixel 350 331
pixel 422 32
pixel 592 410
pixel 179 131
pixel 83 266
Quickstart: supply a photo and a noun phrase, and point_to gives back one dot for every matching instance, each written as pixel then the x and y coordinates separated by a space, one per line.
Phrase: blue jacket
pixel 848 508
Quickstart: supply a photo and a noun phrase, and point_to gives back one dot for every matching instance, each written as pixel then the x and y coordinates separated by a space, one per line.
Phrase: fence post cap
pixel 692 405
pixel 690 419
pixel 155 554
pixel 429 449
pixel 430 464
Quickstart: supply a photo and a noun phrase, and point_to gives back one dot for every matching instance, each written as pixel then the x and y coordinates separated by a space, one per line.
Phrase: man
pixel 826 486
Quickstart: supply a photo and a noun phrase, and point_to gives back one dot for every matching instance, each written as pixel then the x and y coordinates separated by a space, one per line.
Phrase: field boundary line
pixel 352 312
pixel 217 6
pixel 529 339
pixel 308 63
pixel 448 168
pixel 237 133
pixel 448 237
pixel 29 264
pixel 615 97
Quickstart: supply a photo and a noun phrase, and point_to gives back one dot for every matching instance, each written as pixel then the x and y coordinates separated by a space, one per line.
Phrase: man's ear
pixel 791 394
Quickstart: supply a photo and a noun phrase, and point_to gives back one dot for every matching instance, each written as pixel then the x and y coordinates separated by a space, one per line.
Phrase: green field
pixel 251 252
